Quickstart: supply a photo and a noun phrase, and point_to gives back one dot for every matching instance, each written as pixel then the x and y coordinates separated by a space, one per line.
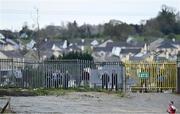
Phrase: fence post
pixel 124 79
pixel 12 70
pixel 178 74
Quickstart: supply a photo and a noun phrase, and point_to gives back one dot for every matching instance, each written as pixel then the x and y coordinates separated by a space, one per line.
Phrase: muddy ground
pixel 96 103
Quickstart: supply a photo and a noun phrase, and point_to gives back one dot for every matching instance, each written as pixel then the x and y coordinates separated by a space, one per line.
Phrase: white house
pixel 31 44
pixel 94 43
pixel 105 43
pixel 8 47
pixel 65 45
pixel 116 51
pixel 55 48
pixel 3 56
pixel 2 36
pixel 23 35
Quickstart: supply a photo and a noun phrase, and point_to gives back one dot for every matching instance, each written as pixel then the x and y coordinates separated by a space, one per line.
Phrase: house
pixel 153 45
pixel 65 44
pixel 125 54
pixel 23 35
pixel 31 44
pixel 31 55
pixel 159 49
pixel 158 58
pixel 47 45
pixel 176 44
pixel 104 54
pixel 130 39
pixel 83 43
pixel 121 45
pixel 3 56
pixel 51 47
pixel 130 51
pixel 57 54
pixel 2 43
pixel 166 46
pixel 44 54
pixel 74 47
pixel 94 43
pixel 138 45
pixel 142 57
pixel 116 51
pixel 101 51
pixel 168 50
pixel 2 37
pixel 10 55
pixel 8 47
pixel 104 44
pixel 55 48
pixel 12 42
pixel 124 50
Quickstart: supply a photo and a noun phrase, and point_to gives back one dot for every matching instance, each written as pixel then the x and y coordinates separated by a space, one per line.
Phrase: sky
pixel 15 13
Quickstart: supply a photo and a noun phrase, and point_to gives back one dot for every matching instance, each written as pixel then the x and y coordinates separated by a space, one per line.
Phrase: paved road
pixel 96 103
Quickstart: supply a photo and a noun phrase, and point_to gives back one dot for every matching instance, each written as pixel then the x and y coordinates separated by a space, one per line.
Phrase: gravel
pixel 96 103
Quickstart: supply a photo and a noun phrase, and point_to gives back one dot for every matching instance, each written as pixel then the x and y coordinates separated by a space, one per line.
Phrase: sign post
pixel 144 76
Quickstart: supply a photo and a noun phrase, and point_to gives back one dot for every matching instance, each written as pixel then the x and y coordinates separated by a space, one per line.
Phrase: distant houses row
pixel 107 50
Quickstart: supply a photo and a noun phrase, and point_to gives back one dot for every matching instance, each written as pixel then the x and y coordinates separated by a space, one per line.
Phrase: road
pixel 96 103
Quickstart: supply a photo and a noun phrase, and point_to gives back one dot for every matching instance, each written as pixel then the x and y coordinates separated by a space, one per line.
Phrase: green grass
pixel 176 35
pixel 120 94
pixel 52 91
pixel 139 38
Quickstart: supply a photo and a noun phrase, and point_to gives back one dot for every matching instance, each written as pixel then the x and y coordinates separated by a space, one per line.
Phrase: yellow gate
pixel 150 76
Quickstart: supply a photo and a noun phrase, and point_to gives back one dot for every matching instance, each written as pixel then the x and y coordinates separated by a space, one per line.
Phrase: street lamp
pixel 178 74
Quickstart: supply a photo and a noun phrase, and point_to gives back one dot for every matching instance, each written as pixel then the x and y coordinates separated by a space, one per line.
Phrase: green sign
pixel 143 75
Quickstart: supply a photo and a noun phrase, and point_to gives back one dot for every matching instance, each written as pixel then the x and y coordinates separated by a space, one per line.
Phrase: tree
pixel 84 31
pixel 25 29
pixel 164 24
pixel 138 29
pixel 167 19
pixel 118 31
pixel 171 36
pixel 177 24
pixel 77 55
pixel 8 34
pixel 73 55
pixel 73 31
pixel 152 28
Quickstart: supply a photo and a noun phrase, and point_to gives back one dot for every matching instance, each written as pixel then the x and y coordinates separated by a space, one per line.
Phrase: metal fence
pixel 135 76
pixel 108 75
pixel 59 74
pixel 151 76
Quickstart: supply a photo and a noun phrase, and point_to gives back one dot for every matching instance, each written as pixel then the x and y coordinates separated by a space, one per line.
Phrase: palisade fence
pixel 59 73
pixel 154 76
pixel 133 76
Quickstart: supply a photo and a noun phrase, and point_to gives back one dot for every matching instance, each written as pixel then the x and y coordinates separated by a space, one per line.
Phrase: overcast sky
pixel 13 13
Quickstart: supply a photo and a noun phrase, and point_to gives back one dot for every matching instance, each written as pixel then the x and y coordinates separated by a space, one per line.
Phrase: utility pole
pixel 38 33
pixel 37 11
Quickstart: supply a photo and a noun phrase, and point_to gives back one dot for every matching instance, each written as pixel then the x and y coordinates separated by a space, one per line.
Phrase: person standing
pixel 171 108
